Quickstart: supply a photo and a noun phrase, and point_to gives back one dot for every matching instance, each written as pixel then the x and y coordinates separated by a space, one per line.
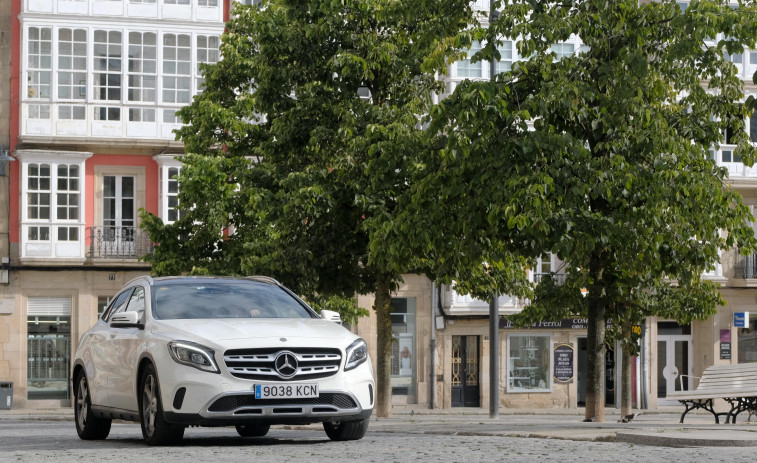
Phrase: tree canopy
pixel 600 157
pixel 301 142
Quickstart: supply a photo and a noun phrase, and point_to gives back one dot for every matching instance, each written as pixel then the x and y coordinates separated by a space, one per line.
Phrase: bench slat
pixel 722 381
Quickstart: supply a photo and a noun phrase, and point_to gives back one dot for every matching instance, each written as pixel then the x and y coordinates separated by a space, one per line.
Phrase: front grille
pixel 232 402
pixel 260 364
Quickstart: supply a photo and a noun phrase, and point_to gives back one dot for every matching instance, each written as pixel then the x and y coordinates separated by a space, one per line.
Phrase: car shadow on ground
pixel 228 441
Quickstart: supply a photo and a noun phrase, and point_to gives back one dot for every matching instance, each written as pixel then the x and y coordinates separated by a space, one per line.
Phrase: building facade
pixel 89 101
pixel 544 366
pixel 89 91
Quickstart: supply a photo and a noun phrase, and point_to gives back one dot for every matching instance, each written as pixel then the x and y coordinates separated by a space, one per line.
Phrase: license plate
pixel 286 391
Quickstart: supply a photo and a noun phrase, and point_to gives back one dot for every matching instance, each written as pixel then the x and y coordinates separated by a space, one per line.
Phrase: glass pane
pixel 662 360
pixel 471 376
pixel 682 364
pixel 48 358
pixel 404 359
pixel 672 328
pixel 528 363
pixel 127 187
pixel 748 343
pixel 109 186
pixel 456 361
pixel 127 212
pixel 109 211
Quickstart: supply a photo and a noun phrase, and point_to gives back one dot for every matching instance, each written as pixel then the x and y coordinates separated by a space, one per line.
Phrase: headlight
pixel 357 353
pixel 193 355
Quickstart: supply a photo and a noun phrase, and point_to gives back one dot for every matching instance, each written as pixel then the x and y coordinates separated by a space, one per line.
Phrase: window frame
pixel 52 222
pixel 548 376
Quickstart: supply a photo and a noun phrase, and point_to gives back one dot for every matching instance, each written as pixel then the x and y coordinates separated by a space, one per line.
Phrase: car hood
pixel 238 333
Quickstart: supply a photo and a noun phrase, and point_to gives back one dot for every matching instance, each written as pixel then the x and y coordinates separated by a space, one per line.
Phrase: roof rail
pixel 146 277
pixel 263 279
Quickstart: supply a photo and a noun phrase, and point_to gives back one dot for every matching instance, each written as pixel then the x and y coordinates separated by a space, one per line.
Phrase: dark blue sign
pixel 741 319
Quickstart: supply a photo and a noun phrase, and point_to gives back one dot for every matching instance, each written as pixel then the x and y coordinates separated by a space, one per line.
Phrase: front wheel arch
pixel 88 426
pixel 155 429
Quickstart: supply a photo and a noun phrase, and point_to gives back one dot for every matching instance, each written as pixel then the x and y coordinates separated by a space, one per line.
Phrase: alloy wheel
pixel 82 408
pixel 149 405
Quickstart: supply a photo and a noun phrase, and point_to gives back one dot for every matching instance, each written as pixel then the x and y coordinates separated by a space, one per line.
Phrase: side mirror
pixel 331 316
pixel 128 319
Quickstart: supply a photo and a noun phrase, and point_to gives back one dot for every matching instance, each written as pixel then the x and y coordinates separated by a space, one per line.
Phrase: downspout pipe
pixel 432 348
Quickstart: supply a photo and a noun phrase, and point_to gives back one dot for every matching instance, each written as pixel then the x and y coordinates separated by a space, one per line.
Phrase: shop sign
pixel 741 319
pixel 563 363
pixel 725 344
pixel 564 324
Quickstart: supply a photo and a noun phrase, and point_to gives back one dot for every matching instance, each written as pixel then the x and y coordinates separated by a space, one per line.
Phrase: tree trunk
pixel 382 304
pixel 595 352
pixel 626 404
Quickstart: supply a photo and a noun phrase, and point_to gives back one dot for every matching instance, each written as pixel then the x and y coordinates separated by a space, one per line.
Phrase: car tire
pixel 155 429
pixel 88 426
pixel 346 430
pixel 253 430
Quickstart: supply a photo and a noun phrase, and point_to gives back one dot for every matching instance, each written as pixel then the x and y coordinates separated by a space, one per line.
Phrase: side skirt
pixel 115 413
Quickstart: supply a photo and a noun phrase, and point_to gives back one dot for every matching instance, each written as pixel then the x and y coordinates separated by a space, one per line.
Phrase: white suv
pixel 202 351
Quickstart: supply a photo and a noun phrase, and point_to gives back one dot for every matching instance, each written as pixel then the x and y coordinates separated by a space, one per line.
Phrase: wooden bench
pixel 736 384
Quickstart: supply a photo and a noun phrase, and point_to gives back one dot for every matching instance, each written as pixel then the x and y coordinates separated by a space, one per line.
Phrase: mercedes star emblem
pixel 286 364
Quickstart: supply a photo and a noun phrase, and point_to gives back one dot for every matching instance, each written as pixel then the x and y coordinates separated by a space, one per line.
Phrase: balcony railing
pixel 559 278
pixel 118 243
pixel 746 267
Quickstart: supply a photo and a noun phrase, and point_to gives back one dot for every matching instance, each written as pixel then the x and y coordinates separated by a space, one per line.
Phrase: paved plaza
pixel 409 436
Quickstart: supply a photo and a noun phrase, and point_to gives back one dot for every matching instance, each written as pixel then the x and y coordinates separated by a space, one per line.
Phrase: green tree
pixel 600 157
pixel 301 142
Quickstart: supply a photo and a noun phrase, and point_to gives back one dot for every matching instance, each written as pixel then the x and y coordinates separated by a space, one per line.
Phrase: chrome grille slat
pixel 271 358
pixel 313 363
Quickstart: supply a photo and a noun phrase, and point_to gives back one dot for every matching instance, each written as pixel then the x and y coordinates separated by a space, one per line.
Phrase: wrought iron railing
pixel 118 243
pixel 559 278
pixel 746 267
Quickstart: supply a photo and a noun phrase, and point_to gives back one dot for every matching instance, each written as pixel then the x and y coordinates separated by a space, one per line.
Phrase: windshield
pixel 225 299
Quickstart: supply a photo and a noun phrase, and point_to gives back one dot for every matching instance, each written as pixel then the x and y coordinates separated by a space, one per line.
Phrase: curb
pixel 670 441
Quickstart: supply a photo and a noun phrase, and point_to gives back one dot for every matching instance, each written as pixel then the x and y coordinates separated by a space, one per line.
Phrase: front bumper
pixel 244 408
pixel 278 415
pixel 196 398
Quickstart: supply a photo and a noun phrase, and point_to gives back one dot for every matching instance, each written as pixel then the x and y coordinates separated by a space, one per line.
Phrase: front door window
pixel 404 359
pixel 48 347
pixel 119 213
pixel 674 354
pixel 465 377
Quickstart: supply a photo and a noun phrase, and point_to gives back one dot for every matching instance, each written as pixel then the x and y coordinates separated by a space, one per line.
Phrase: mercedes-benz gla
pixel 173 352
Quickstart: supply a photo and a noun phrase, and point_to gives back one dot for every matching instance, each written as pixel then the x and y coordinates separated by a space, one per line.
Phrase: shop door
pixel 48 347
pixel 465 372
pixel 610 374
pixel 674 354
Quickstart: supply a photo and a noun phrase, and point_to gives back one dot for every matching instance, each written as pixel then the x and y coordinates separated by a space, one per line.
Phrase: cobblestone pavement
pixel 400 439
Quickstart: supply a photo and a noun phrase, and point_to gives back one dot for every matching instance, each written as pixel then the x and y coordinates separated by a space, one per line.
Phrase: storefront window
pixel 748 343
pixel 48 347
pixel 403 346
pixel 529 363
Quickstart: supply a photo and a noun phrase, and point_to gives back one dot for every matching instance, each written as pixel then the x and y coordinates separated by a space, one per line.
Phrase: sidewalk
pixel 653 427
pixel 658 428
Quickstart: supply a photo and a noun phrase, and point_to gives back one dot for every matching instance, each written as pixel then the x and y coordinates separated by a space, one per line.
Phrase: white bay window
pixel 52 214
pixel 168 188
pixel 115 82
